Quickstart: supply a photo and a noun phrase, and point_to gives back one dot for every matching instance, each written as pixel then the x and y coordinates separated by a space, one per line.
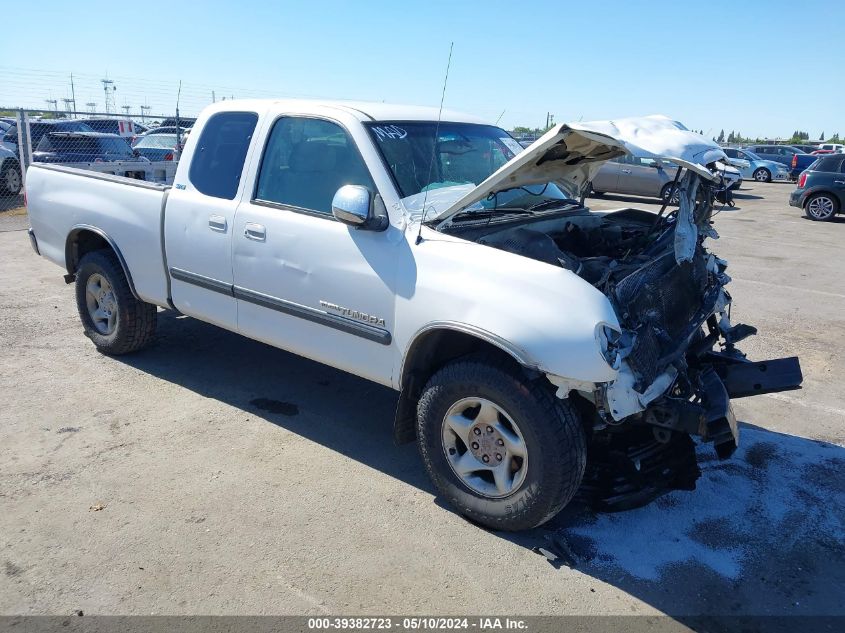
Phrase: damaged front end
pixel 676 354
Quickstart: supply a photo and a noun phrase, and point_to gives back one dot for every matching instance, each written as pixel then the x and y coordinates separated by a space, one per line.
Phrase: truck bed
pixel 65 200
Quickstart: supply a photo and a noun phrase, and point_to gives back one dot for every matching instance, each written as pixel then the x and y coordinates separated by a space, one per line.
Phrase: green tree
pixel 721 137
pixel 821 138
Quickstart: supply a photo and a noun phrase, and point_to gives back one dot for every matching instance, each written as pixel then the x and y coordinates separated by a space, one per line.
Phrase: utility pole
pixel 68 104
pixel 92 106
pixel 72 93
pixel 126 109
pixel 108 90
pixel 144 110
pixel 213 97
pixel 54 103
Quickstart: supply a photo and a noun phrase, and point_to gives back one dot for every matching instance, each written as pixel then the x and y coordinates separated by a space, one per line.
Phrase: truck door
pixel 304 281
pixel 199 217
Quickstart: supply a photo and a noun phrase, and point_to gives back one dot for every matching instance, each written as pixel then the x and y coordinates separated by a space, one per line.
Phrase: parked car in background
pixel 821 188
pixel 834 147
pixel 640 176
pixel 809 149
pixel 168 129
pixel 126 128
pixel 797 160
pixel 822 152
pixel 183 122
pixel 752 167
pixel 800 162
pixel 37 129
pixel 83 147
pixel 10 173
pixel 636 176
pixel 156 147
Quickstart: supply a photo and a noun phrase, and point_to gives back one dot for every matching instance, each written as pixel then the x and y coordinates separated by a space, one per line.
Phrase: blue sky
pixel 736 65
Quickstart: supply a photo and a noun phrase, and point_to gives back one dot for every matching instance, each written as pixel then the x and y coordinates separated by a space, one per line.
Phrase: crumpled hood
pixel 572 153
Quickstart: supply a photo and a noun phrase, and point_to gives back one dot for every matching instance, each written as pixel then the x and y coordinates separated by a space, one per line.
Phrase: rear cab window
pixel 218 160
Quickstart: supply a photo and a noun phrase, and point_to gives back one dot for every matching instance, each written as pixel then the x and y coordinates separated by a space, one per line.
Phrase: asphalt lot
pixel 211 474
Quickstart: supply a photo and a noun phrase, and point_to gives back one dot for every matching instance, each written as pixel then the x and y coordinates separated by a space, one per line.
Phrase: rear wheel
pixel 761 174
pixel 114 320
pixel 502 449
pixel 10 178
pixel 670 193
pixel 821 206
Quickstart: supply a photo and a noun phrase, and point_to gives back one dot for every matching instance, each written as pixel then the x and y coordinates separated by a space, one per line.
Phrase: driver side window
pixel 306 161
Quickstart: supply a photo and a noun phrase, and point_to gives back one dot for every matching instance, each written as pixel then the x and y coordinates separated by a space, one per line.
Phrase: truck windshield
pixel 464 154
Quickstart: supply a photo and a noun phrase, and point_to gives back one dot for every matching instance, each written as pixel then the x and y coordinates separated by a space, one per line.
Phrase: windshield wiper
pixel 488 213
pixel 566 202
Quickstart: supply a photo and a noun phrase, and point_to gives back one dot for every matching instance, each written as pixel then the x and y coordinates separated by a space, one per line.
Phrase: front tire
pixel 502 449
pixel 115 321
pixel 761 174
pixel 821 207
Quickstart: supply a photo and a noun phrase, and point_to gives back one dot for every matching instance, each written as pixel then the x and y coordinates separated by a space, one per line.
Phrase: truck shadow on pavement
pixel 764 533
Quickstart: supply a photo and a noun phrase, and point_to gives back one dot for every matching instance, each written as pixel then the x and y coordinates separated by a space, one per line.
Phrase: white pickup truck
pixel 540 349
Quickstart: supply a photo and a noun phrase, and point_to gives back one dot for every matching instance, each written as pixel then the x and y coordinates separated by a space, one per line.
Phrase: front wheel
pixel 114 320
pixel 502 449
pixel 761 174
pixel 821 206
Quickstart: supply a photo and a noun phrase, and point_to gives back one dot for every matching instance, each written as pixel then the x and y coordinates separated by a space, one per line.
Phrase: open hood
pixel 571 154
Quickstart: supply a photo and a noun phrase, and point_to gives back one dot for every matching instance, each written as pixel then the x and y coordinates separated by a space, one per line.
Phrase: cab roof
pixel 365 111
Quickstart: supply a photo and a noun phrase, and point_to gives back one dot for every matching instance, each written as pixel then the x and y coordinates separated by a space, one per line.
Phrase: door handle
pixel 626 171
pixel 253 231
pixel 217 223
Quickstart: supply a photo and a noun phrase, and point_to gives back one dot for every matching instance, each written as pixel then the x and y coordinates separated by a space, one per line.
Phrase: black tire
pixel 667 189
pixel 551 429
pixel 821 207
pixel 761 174
pixel 135 322
pixel 10 167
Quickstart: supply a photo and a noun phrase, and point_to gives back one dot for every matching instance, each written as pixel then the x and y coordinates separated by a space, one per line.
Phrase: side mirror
pixel 354 205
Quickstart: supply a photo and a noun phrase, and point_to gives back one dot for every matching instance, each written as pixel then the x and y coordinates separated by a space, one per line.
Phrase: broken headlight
pixel 608 339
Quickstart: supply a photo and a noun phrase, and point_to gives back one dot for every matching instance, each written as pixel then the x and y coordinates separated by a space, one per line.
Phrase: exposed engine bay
pixel 676 356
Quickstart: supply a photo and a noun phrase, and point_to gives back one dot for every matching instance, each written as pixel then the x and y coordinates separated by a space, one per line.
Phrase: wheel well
pixel 82 241
pixel 428 353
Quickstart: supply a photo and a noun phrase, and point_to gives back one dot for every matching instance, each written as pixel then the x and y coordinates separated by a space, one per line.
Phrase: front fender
pixel 544 316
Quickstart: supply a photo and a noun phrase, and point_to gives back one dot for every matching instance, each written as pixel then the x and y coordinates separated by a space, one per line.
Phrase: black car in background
pixel 83 147
pixel 37 129
pixel 821 188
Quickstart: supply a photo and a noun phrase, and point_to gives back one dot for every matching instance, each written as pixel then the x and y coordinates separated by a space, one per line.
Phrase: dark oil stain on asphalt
pixel 275 406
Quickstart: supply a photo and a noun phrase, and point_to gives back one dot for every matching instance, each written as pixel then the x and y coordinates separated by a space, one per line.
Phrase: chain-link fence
pixel 106 143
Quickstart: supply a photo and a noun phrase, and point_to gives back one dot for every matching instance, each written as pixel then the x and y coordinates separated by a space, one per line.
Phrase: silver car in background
pixel 652 177
pixel 636 176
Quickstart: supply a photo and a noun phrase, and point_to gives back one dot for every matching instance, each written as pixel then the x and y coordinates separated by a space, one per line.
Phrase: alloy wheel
pixel 484 447
pixel 101 303
pixel 821 207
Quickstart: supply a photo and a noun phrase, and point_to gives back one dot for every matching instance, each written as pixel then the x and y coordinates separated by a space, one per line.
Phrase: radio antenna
pixel 434 144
